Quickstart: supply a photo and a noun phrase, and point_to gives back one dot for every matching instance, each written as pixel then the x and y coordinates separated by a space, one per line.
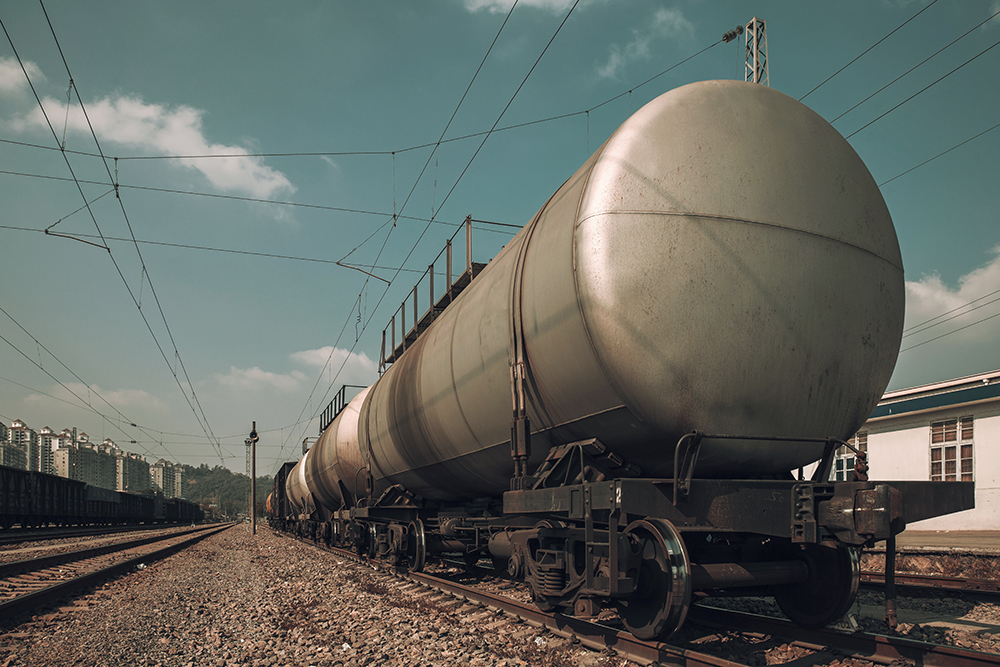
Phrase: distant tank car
pixel 714 299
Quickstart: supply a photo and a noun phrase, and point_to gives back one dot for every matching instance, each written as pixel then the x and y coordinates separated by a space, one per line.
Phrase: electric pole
pixel 756 57
pixel 252 461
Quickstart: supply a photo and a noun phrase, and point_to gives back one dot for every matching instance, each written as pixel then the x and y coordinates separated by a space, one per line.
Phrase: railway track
pixel 608 636
pixel 9 537
pixel 28 584
pixel 937 583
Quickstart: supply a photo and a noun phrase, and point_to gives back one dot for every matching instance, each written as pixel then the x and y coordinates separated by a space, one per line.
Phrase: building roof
pixel 948 394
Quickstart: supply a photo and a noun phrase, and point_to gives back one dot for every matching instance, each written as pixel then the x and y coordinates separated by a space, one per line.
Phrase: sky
pixel 207 293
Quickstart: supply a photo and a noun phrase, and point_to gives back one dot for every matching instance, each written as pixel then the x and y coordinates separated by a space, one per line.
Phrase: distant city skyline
pixel 71 454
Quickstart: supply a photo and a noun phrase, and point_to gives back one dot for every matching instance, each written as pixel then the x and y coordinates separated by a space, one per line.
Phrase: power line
pixel 204 424
pixel 255 200
pixel 931 340
pixel 936 81
pixel 964 35
pixel 362 153
pixel 419 238
pixel 920 328
pixel 250 253
pixel 938 155
pixel 395 216
pixel 824 81
pixel 75 395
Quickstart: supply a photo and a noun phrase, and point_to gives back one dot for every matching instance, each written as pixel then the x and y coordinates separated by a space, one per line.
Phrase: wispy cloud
pixel 930 297
pixel 12 77
pixel 666 23
pixel 256 379
pixel 503 6
pixel 354 368
pixel 158 129
pixel 122 399
pixel 995 22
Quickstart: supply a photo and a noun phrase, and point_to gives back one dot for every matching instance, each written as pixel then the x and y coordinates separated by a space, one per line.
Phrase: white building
pixel 132 472
pixel 168 478
pixel 48 442
pixel 948 431
pixel 26 438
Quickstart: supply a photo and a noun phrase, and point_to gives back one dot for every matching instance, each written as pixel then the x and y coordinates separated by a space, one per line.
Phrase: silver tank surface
pixel 333 470
pixel 296 489
pixel 724 262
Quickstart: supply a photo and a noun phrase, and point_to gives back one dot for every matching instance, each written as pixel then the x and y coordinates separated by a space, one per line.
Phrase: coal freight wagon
pixel 31 499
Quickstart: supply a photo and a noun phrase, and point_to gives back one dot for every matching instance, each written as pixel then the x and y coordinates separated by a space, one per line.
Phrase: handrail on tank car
pixel 336 406
pixel 436 305
pixel 688 447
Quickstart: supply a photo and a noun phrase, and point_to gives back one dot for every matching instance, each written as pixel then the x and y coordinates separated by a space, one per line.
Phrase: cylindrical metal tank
pixel 333 472
pixel 296 489
pixel 724 262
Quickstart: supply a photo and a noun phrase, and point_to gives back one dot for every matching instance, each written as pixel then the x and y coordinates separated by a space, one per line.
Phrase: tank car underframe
pixel 583 531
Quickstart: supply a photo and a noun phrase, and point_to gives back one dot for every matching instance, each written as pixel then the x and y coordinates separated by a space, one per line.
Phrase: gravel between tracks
pixel 265 601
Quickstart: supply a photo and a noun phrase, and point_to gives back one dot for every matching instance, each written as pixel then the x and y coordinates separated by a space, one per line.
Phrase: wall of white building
pixel 899 448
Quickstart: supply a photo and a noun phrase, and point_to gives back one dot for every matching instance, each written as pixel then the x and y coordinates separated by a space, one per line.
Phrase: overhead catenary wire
pixel 942 153
pixel 392 152
pixel 94 218
pixel 499 118
pixel 922 62
pixel 929 324
pixel 860 55
pixel 395 216
pixel 83 402
pixel 928 86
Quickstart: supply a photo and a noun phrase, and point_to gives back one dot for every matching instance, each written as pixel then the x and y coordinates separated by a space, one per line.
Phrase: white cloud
pixel 353 368
pixel 666 23
pixel 503 6
pixel 12 77
pixel 943 336
pixel 122 399
pixel 256 379
pixel 930 298
pixel 128 121
pixel 994 8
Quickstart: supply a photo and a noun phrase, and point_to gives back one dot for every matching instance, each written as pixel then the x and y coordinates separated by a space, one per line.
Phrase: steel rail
pixel 28 601
pixel 880 649
pixel 935 582
pixel 8 537
pixel 12 568
pixel 593 635
pixel 588 633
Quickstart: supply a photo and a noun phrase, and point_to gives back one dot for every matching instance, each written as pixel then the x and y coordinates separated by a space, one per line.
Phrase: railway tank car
pixel 613 407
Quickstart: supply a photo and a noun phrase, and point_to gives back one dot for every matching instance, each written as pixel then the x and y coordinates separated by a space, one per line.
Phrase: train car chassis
pixel 586 531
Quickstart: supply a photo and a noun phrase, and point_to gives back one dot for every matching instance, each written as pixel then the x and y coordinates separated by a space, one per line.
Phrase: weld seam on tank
pixel 749 221
pixel 577 295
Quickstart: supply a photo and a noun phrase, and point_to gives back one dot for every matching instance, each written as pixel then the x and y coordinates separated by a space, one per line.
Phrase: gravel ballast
pixel 266 600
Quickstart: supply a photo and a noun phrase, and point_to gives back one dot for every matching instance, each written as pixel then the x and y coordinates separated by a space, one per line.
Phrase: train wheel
pixel 834 573
pixel 416 546
pixel 663 583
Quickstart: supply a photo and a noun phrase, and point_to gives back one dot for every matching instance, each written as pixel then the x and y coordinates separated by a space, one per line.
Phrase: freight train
pixel 33 499
pixel 619 408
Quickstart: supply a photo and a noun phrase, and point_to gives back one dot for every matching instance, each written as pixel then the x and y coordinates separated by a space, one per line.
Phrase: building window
pixel 843 465
pixel 951 450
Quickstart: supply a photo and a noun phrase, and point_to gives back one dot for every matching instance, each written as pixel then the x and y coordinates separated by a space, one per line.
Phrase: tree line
pixel 224 490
